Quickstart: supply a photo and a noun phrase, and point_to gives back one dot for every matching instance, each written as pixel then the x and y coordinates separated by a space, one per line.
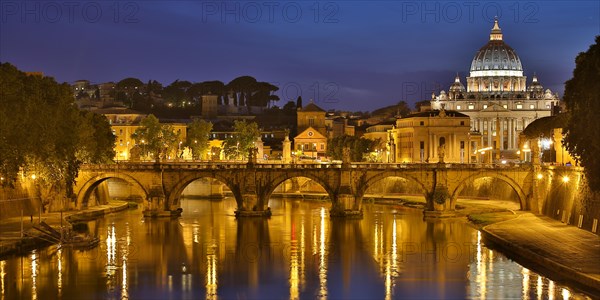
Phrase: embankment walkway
pixel 570 253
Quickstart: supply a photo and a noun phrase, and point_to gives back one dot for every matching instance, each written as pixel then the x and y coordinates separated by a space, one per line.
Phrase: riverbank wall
pixel 564 252
pixel 12 226
pixel 30 198
pixel 563 194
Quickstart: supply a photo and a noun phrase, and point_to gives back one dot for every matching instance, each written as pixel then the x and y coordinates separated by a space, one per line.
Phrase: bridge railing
pixel 244 165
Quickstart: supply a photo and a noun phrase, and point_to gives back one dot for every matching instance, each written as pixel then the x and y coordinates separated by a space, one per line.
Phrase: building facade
pixel 431 136
pixel 310 143
pixel 497 97
pixel 311 116
pixel 124 122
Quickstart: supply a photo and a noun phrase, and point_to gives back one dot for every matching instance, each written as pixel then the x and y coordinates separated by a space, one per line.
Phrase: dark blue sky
pixel 349 55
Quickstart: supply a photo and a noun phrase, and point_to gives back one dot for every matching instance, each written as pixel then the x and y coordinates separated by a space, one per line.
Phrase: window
pixel 548 106
pixel 462 123
pixel 311 121
pixel 421 145
pixel 458 107
pixel 422 123
pixel 322 146
pixel 462 144
pixel 519 106
pixel 531 106
pixel 505 106
pixel 484 106
pixel 471 106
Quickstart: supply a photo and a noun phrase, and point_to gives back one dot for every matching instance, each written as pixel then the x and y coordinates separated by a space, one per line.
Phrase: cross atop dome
pixel 496 34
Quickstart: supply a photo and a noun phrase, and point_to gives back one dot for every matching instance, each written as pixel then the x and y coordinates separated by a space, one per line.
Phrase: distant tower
pixel 209 106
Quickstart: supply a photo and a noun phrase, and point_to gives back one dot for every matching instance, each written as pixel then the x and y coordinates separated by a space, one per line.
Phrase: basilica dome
pixel 496 58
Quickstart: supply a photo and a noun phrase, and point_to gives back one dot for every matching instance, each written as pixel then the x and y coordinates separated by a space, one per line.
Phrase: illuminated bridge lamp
pixel 540 176
pixel 565 179
pixel 33 177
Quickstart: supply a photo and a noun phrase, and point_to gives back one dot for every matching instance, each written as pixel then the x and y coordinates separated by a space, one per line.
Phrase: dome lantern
pixel 496 34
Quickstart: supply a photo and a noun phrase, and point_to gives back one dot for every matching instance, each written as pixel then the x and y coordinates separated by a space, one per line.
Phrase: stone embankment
pixel 564 252
pixel 13 241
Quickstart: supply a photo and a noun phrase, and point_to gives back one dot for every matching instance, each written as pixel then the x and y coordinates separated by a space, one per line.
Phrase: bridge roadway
pixel 161 184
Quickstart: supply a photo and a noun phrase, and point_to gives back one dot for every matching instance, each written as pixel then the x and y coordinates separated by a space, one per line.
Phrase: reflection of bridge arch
pixel 275 182
pixel 470 179
pixel 89 186
pixel 177 190
pixel 383 175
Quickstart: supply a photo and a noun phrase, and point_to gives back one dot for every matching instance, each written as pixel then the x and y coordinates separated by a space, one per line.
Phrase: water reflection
pixel 299 253
pixel 2 274
pixel 34 274
pixel 322 252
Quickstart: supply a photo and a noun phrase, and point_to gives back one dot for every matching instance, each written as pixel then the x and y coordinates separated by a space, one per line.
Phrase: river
pixel 299 253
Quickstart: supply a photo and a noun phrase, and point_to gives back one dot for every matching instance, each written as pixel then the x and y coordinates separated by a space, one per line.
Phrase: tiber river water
pixel 300 253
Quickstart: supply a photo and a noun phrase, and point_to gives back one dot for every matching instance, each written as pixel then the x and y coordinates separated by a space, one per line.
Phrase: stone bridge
pixel 161 184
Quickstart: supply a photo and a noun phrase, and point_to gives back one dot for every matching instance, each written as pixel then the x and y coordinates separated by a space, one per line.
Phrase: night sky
pixel 348 55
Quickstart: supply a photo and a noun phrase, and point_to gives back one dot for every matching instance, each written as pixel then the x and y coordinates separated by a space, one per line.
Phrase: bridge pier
pixel 345 206
pixel 250 206
pixel 154 209
pixel 439 204
pixel 156 205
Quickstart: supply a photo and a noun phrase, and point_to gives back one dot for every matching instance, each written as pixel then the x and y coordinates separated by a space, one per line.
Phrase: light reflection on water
pixel 299 253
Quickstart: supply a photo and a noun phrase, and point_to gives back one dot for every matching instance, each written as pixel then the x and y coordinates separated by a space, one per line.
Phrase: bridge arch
pixel 361 189
pixel 275 182
pixel 89 186
pixel 177 190
pixel 497 175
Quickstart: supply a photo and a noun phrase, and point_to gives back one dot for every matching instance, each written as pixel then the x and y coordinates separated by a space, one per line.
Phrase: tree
pixel 159 140
pixel 358 147
pixel 421 103
pixel 95 138
pixel 261 94
pixel 299 102
pixel 239 144
pixel 242 87
pixel 43 134
pixel 198 134
pixel 176 93
pixel 582 98
pixel 129 91
pixel 290 108
pixel 401 109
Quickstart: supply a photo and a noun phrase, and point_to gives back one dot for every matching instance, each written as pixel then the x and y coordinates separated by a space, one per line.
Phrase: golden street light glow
pixel 33 177
pixel 540 176
pixel 482 150
pixel 565 179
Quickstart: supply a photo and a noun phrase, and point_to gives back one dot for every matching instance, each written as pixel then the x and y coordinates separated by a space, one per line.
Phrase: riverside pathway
pixel 571 253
